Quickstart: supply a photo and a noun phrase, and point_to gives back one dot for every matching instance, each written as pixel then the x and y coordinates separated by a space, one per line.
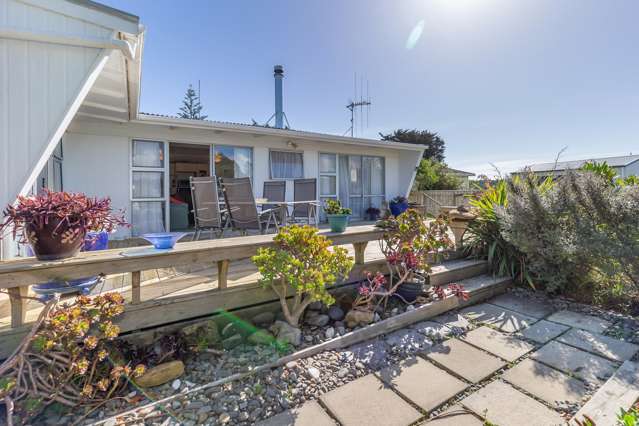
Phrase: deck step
pixel 619 391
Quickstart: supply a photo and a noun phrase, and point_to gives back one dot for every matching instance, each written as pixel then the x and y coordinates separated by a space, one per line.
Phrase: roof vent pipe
pixel 278 73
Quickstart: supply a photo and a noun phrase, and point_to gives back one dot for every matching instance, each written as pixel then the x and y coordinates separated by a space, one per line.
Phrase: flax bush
pixel 580 236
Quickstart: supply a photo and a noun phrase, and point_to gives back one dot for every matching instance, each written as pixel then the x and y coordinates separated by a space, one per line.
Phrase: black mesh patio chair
pixel 206 207
pixel 305 190
pixel 242 209
pixel 275 190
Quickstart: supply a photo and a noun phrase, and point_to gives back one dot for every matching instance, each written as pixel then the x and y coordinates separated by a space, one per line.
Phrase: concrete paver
pixel 614 349
pixel 583 321
pixel 422 383
pixel 308 414
pixel 503 345
pixel 621 391
pixel 368 402
pixel 586 366
pixel 454 321
pixel 502 318
pixel 455 416
pixel 523 305
pixel 504 405
pixel 464 360
pixel 553 386
pixel 543 331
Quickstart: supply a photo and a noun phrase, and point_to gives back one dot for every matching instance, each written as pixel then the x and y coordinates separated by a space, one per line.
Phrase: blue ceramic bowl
pixel 45 291
pixel 163 240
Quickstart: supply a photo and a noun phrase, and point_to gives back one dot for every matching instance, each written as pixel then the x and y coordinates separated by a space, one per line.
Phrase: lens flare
pixel 415 35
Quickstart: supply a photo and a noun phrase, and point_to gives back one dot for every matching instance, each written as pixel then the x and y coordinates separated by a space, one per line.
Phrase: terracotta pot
pixel 54 241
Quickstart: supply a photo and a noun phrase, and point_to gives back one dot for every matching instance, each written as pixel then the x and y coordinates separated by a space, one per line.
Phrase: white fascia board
pixel 87 14
pixel 290 134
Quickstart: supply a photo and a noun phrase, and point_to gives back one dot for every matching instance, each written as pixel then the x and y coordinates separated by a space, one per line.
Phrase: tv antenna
pixel 359 107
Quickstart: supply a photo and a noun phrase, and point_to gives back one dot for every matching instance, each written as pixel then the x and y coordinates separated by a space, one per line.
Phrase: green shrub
pixel 484 235
pixel 579 236
pixel 432 174
pixel 301 261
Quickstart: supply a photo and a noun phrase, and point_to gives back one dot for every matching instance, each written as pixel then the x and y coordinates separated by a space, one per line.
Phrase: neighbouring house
pixel 69 119
pixel 462 176
pixel 625 165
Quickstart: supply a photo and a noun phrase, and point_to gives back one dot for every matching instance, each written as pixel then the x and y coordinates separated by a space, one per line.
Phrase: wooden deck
pixel 162 283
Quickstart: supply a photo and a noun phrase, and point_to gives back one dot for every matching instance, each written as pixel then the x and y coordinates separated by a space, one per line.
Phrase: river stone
pixel 161 374
pixel 317 320
pixel 336 313
pixel 286 333
pixel 356 317
pixel 264 319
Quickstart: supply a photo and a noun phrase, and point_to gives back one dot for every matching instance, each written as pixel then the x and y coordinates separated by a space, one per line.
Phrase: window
pixel 361 182
pixel 232 161
pixel 286 165
pixel 328 179
pixel 57 157
pixel 147 187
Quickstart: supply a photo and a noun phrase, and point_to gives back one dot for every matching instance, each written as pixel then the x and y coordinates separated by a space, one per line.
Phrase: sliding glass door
pixel 357 180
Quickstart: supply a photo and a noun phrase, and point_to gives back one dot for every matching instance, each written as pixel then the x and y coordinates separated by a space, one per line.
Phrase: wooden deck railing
pixel 16 275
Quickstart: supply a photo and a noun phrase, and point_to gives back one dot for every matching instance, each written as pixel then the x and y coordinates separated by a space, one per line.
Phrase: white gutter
pixel 128 49
pixel 271 131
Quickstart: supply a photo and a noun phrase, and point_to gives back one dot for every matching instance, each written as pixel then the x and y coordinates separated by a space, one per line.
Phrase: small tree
pixel 435 145
pixel 301 261
pixel 432 174
pixel 191 107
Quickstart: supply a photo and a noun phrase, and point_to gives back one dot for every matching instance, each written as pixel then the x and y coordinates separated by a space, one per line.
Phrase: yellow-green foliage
pixel 302 265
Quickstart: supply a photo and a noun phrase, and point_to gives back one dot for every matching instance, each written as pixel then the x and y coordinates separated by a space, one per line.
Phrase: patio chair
pixel 242 209
pixel 275 190
pixel 206 207
pixel 305 190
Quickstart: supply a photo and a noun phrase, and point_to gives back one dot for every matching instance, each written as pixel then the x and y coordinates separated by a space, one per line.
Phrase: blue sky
pixel 502 81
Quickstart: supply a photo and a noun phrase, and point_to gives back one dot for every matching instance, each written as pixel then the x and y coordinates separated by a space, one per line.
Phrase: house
pixel 625 165
pixel 462 176
pixel 69 119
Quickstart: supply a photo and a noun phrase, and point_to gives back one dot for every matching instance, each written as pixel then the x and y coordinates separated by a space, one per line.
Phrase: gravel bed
pixel 265 394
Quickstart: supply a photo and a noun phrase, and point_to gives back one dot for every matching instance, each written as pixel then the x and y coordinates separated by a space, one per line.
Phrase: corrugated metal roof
pixel 620 161
pixel 292 133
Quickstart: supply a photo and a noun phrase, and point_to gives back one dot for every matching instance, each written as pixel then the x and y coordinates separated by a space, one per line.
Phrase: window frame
pixel 270 168
pixel 165 179
pixel 213 146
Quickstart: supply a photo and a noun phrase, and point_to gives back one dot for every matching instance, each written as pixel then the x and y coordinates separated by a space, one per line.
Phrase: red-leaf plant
pixel 407 243
pixel 75 211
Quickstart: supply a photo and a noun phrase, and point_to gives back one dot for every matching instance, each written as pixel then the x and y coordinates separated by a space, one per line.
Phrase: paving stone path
pixel 510 361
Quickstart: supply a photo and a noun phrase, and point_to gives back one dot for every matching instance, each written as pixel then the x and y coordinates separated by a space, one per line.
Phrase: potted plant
pixel 407 243
pixel 301 265
pixel 55 224
pixel 398 205
pixel 337 215
pixel 372 213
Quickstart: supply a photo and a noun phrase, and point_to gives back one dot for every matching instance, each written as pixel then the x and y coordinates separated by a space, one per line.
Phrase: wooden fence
pixel 431 201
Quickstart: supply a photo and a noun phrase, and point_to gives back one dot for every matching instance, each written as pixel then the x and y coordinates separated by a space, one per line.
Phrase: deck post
pixel 359 252
pixel 17 298
pixel 136 296
pixel 222 274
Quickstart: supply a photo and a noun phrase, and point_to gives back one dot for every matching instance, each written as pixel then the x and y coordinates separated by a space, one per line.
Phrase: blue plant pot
pixel 338 222
pixel 92 241
pixel 398 208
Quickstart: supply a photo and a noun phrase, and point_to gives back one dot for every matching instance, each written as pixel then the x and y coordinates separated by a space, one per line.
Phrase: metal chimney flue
pixel 278 73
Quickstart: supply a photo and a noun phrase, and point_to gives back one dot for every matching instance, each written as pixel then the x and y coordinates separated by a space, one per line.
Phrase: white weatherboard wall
pixel 97 157
pixel 39 88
